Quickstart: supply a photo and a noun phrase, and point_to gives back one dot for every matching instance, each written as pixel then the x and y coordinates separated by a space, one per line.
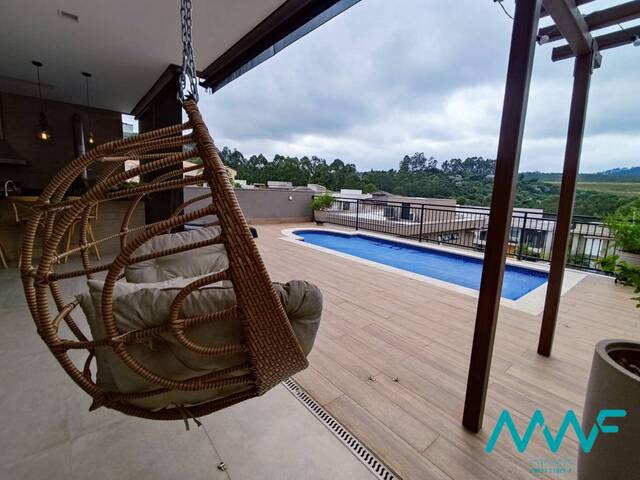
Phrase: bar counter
pixel 109 219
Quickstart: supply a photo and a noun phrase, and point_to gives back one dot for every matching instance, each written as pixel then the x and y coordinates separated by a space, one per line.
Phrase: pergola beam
pixel 571 25
pixel 545 13
pixel 605 42
pixel 600 19
pixel 159 108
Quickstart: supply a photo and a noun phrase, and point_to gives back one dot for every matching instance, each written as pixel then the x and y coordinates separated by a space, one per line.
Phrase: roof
pixel 125 45
pixel 276 184
pixel 128 46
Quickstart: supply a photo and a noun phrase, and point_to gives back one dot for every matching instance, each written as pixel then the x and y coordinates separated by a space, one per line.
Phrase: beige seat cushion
pixel 137 307
pixel 192 263
pixel 90 302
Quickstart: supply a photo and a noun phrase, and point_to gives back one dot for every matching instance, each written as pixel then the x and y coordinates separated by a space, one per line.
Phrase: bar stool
pixel 3 258
pixel 22 208
pixel 93 217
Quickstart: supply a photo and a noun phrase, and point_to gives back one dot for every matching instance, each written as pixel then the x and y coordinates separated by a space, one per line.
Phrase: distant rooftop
pixel 280 185
pixel 316 187
pixel 128 130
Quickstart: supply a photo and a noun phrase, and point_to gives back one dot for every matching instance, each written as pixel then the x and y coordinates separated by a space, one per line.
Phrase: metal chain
pixel 188 74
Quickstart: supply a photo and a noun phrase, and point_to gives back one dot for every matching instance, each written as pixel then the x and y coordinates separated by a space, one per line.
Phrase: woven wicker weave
pixel 272 348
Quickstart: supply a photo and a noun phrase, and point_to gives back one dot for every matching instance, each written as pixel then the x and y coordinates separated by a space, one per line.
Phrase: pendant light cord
pixel 87 76
pixel 87 91
pixel 39 87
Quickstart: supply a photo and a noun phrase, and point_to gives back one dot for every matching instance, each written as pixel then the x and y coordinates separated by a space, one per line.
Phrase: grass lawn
pixel 627 189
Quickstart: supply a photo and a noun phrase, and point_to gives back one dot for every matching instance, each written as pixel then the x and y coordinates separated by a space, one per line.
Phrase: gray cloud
pixel 389 78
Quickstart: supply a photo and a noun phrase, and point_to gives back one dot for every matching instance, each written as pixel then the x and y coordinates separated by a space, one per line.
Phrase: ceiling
pixel 124 44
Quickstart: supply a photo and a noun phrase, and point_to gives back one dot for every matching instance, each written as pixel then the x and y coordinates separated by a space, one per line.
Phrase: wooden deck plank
pixel 450 427
pixel 380 323
pixel 384 442
pixel 321 389
pixel 390 368
pixel 456 463
pixel 409 428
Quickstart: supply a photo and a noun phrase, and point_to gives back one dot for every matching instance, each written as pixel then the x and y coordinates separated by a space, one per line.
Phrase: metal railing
pixel 530 238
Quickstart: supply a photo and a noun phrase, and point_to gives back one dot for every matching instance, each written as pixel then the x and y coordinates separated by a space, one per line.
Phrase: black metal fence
pixel 530 238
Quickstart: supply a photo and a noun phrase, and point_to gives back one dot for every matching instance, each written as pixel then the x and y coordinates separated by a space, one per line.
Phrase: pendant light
pixel 87 76
pixel 43 130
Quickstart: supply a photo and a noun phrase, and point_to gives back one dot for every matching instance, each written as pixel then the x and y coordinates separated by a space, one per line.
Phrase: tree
pixel 418 162
pixel 369 187
pixel 470 181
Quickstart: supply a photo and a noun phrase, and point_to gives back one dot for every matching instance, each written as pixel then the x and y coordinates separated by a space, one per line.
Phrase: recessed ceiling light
pixel 68 15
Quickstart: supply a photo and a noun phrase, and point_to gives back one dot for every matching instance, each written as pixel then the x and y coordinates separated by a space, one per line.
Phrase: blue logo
pixel 570 420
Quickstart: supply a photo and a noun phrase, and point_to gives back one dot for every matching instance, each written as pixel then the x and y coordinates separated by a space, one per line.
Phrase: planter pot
pixel 630 258
pixel 611 386
pixel 320 216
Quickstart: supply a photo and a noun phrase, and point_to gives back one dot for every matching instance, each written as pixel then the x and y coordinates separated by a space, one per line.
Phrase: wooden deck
pixel 378 326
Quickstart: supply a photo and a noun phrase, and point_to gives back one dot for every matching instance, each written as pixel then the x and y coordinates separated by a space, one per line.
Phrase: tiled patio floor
pixel 48 433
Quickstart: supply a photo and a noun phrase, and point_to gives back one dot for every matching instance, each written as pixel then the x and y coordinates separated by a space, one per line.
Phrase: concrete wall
pixel 264 205
pixel 21 114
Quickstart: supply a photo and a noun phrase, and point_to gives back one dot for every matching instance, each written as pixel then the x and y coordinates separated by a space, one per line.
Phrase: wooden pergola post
pixel 584 65
pixel 158 108
pixel 523 42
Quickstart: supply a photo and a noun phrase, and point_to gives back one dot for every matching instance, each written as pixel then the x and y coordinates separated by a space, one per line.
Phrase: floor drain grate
pixel 352 443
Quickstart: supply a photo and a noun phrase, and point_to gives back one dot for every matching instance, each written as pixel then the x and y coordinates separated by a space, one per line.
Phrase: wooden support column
pixel 577 117
pixel 79 149
pixel 160 108
pixel 523 41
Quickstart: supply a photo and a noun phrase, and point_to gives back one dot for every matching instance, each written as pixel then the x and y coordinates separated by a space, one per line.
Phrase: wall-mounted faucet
pixel 9 186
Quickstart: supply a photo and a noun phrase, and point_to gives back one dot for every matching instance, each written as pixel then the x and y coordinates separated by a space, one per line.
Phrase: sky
pixel 385 79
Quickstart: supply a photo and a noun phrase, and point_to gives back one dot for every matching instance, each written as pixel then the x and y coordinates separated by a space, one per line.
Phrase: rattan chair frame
pixel 273 351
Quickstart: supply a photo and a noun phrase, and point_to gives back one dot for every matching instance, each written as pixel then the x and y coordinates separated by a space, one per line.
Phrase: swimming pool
pixel 449 267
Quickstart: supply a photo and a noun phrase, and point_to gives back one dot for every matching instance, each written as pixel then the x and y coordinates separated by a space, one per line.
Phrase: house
pixel 409 373
pixel 317 188
pixel 528 226
pixel 280 185
pixel 127 130
pixel 347 200
pixel 439 220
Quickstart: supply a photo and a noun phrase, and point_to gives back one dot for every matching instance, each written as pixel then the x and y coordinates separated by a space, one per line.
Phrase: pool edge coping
pixel 531 302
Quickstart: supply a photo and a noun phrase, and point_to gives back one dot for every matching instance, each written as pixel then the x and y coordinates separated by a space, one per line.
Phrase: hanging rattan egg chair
pixel 272 350
pixel 222 345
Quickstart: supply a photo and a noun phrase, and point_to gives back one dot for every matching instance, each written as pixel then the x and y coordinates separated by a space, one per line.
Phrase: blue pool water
pixel 449 267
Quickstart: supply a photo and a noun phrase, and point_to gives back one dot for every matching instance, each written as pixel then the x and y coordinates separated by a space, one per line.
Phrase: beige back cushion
pixel 91 304
pixel 136 308
pixel 191 263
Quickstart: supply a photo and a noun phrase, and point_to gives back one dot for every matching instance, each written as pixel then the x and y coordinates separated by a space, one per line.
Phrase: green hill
pixel 623 175
pixel 626 189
